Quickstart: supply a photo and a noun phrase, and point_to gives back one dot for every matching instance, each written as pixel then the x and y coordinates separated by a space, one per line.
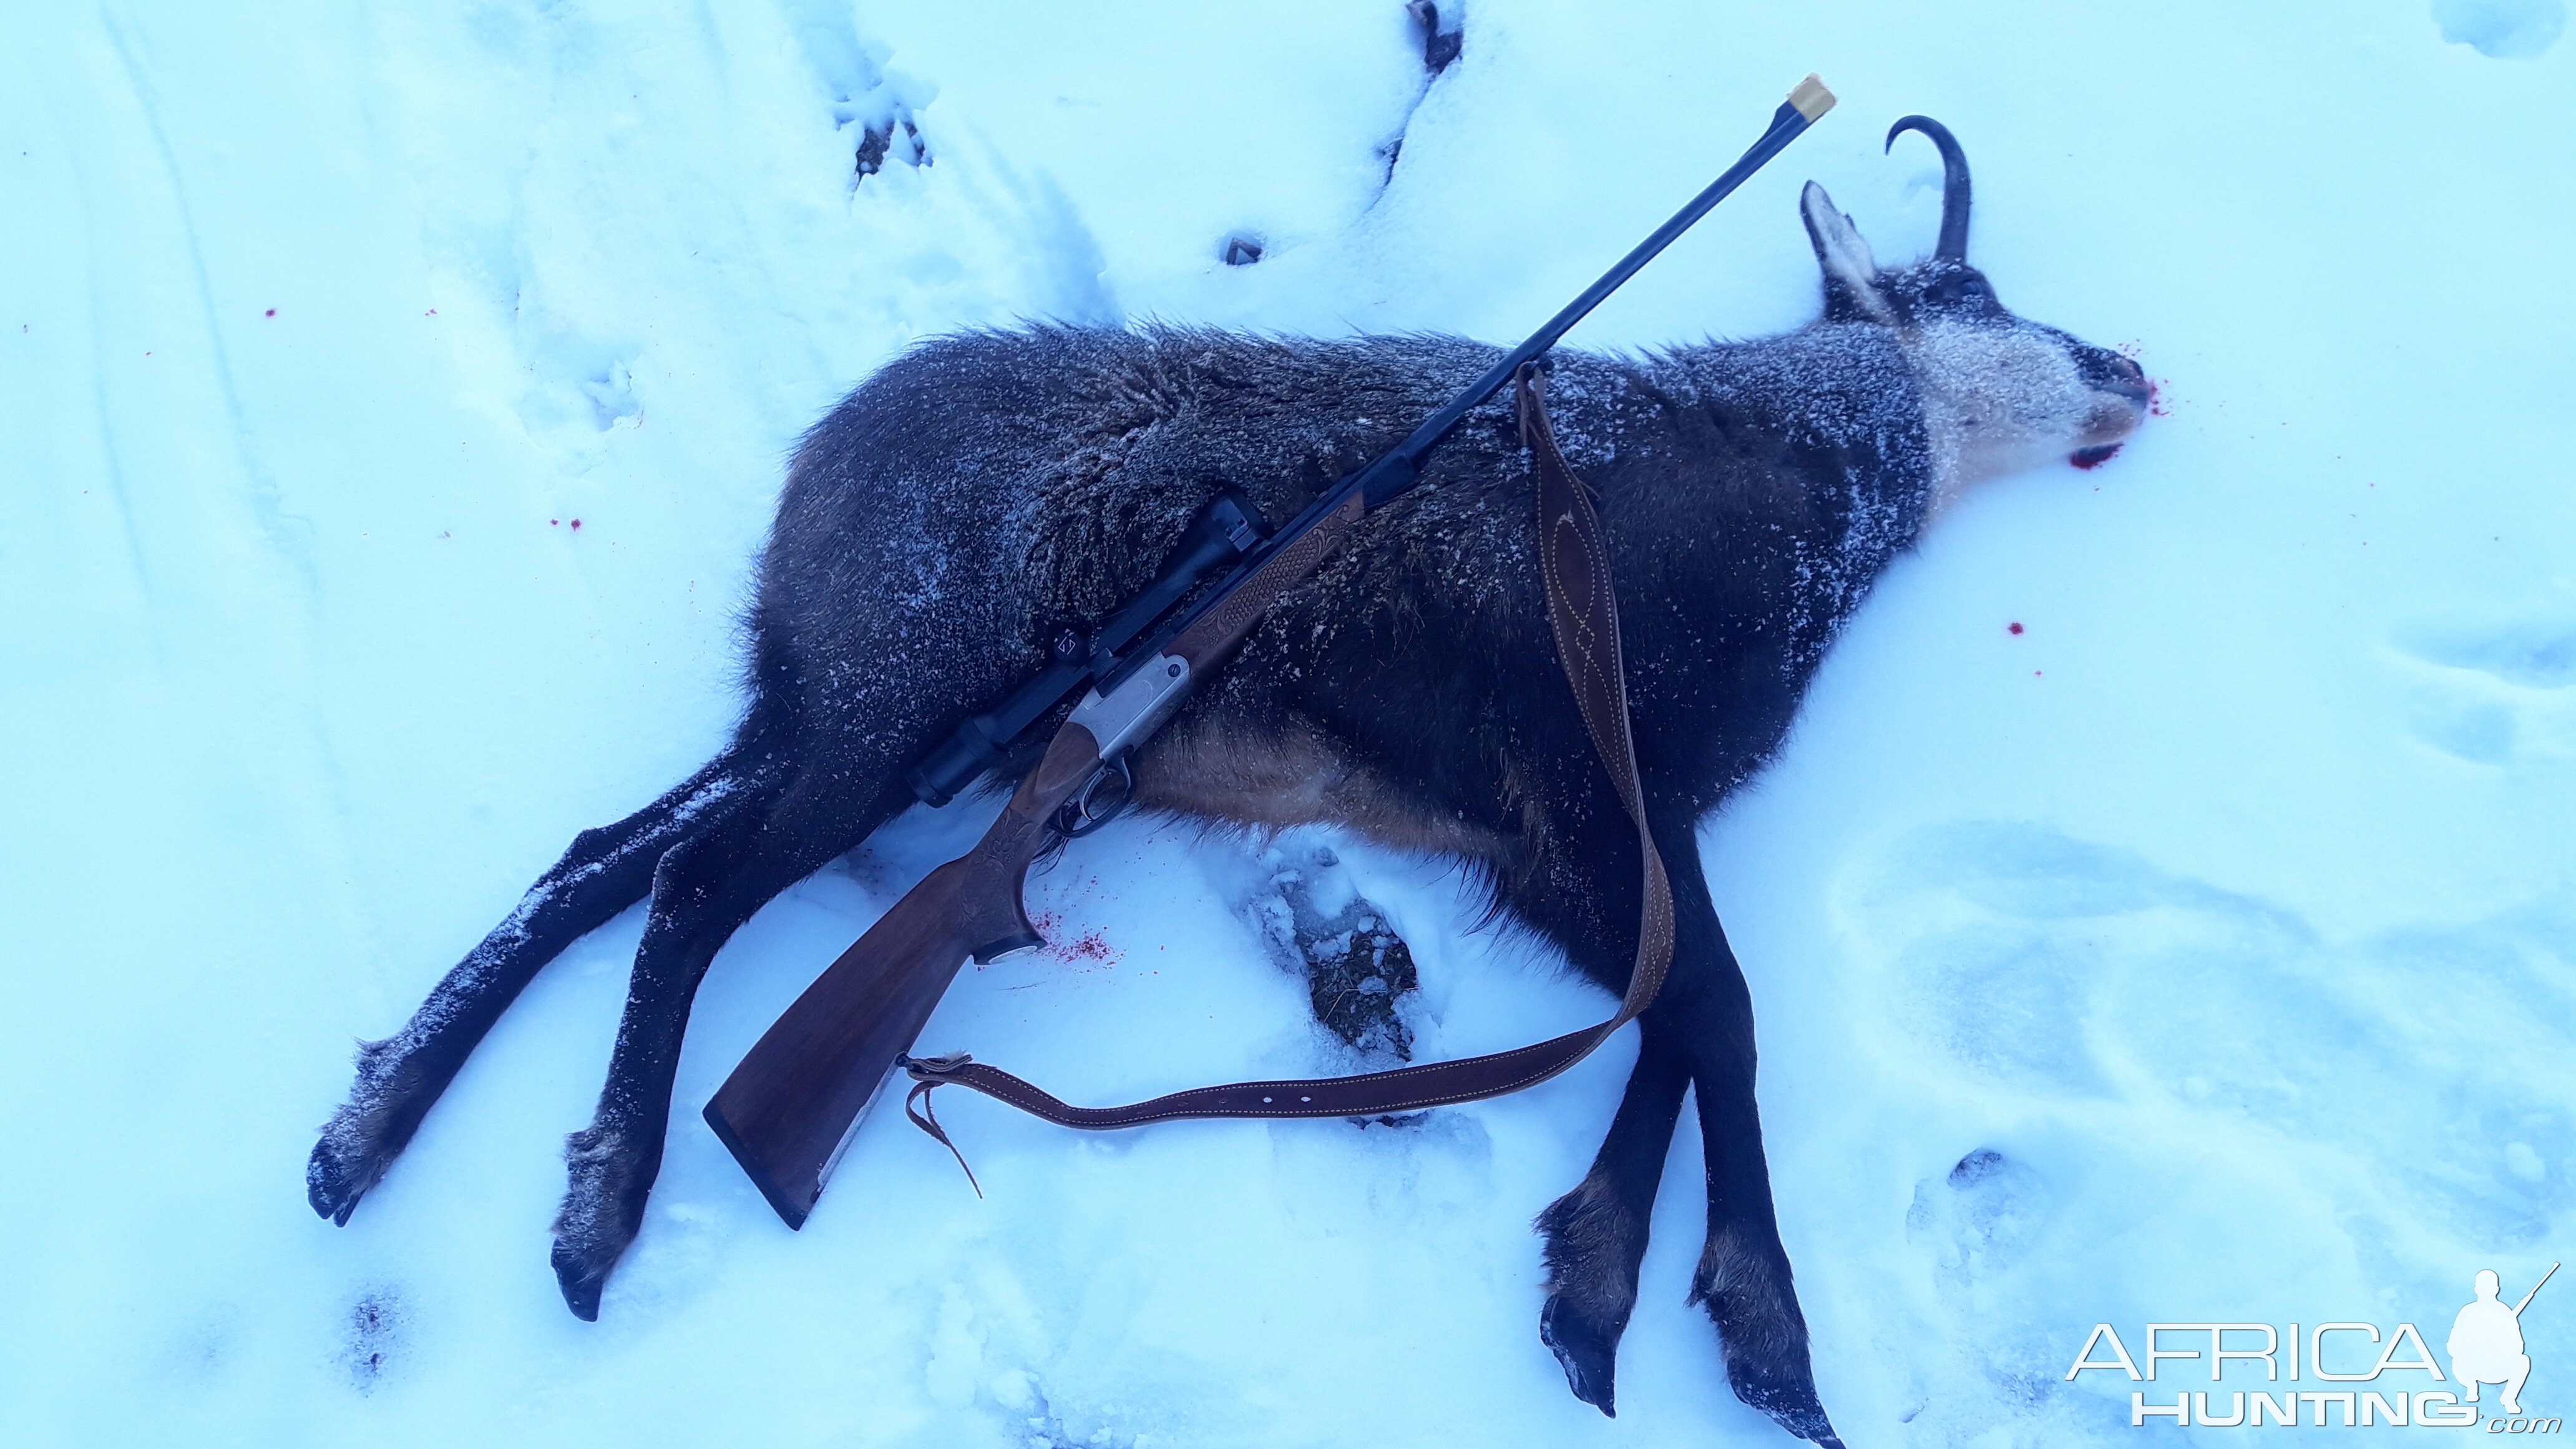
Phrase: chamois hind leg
pixel 703 890
pixel 400 1077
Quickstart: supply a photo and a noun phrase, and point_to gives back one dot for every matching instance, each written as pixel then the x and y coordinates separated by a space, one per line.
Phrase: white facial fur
pixel 2001 398
pixel 1999 394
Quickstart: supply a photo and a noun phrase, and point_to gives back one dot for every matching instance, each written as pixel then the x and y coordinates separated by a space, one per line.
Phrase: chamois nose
pixel 2110 372
pixel 2123 396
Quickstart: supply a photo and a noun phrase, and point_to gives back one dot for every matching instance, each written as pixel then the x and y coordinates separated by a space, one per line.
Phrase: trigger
pixel 1098 802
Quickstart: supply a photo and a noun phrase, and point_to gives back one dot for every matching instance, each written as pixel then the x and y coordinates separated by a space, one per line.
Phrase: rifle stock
pixel 790 1107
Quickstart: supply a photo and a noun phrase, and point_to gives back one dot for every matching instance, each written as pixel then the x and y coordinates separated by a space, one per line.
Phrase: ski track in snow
pixel 398 398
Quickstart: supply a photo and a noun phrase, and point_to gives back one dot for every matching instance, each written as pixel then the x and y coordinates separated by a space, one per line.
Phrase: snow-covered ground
pixel 392 396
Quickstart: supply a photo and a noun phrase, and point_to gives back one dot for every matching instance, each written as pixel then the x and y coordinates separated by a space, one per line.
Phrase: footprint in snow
pixel 879 107
pixel 372 1339
pixel 2492 691
pixel 2052 975
pixel 579 387
pixel 1981 1223
pixel 1978 1219
pixel 2502 29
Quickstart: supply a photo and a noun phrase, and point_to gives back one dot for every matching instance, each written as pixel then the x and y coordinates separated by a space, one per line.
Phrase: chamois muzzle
pixel 1953 246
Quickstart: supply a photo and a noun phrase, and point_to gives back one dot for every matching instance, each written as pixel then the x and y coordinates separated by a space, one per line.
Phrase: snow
pixel 2514 29
pixel 396 395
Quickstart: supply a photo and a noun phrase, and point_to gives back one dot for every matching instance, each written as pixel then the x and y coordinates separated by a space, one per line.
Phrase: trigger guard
pixel 1084 813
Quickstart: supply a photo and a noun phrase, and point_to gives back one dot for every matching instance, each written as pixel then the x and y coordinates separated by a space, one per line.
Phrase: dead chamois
pixel 986 491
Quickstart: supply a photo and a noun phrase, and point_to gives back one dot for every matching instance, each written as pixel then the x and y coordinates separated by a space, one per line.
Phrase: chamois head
pixel 2000 393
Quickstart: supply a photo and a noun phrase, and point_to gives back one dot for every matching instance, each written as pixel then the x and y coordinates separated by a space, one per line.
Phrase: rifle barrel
pixel 1392 473
pixel 1786 125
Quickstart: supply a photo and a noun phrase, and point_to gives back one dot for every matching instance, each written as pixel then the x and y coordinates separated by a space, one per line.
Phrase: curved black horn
pixel 1954 183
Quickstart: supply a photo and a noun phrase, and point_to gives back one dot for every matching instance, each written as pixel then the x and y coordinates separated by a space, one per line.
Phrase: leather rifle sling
pixel 1574 566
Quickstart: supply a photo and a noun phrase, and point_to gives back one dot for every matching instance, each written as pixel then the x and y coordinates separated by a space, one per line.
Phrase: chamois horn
pixel 1954 184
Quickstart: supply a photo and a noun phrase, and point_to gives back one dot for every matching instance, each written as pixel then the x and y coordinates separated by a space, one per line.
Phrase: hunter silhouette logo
pixel 2355 1390
pixel 2486 1342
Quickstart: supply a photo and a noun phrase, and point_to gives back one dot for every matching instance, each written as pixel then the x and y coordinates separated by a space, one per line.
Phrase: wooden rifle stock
pixel 790 1107
pixel 788 1110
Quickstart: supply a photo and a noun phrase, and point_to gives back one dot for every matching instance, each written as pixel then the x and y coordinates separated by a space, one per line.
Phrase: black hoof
pixel 1787 1395
pixel 1590 1358
pixel 333 1186
pixel 1595 1240
pixel 581 1283
pixel 1748 1294
pixel 603 1207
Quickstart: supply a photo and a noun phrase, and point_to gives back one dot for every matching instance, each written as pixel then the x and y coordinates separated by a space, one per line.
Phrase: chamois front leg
pixel 402 1076
pixel 1743 1277
pixel 702 892
pixel 1595 1236
pixel 1699 1033
pixel 1582 893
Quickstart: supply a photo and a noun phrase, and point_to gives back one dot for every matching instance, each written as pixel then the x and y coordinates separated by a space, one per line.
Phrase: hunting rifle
pixel 793 1104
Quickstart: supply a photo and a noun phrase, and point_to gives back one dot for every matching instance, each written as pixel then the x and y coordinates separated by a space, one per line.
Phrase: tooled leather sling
pixel 1574 567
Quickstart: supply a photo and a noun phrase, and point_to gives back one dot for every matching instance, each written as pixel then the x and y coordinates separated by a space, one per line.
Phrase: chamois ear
pixel 1851 274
